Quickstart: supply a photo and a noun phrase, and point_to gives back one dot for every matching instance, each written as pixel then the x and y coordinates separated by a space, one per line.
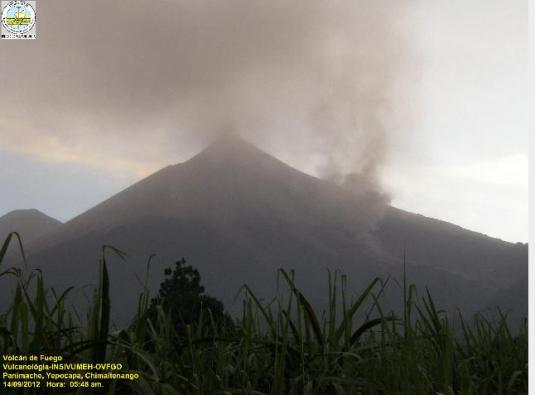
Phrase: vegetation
pixel 182 297
pixel 285 347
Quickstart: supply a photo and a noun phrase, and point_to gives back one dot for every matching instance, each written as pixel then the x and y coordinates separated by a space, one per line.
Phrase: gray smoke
pixel 134 85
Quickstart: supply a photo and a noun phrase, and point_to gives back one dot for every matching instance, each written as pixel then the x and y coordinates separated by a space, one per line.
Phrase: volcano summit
pixel 237 214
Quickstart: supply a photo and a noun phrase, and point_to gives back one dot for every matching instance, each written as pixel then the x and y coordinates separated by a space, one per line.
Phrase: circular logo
pixel 18 17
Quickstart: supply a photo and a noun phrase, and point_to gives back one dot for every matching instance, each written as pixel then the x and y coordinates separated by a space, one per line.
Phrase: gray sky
pixel 426 98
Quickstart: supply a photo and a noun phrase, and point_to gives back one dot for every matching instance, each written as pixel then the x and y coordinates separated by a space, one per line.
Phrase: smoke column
pixel 135 85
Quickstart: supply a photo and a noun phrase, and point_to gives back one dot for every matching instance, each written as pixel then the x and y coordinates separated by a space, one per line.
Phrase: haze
pixel 422 101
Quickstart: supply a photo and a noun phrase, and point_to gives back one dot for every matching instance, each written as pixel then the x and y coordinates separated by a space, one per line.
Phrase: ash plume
pixel 135 85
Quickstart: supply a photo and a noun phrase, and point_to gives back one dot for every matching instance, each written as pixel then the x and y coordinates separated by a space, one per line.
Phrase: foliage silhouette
pixel 182 296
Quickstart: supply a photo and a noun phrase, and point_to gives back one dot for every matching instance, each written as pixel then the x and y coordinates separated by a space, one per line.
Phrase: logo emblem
pixel 18 20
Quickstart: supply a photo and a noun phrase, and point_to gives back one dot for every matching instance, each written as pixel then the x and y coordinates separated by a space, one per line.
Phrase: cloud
pixel 132 86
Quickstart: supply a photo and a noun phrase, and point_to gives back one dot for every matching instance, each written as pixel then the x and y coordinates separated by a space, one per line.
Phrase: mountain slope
pixel 30 224
pixel 447 246
pixel 238 214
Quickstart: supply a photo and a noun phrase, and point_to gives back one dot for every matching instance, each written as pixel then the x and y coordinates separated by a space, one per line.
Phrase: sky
pixel 427 100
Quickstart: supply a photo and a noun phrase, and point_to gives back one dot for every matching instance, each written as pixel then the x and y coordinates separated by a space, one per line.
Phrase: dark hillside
pixel 237 214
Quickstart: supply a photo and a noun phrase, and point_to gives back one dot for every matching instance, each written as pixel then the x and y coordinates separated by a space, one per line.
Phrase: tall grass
pixel 284 347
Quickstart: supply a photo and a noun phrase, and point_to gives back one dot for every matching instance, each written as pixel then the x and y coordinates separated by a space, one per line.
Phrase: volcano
pixel 238 214
pixel 29 224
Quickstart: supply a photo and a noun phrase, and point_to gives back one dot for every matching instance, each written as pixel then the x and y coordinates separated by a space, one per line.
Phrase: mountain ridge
pixel 237 214
pixel 29 223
